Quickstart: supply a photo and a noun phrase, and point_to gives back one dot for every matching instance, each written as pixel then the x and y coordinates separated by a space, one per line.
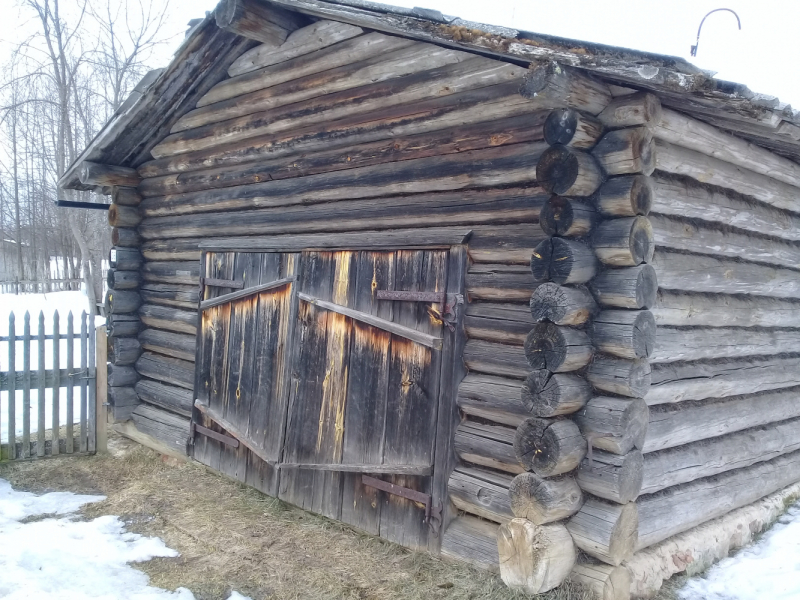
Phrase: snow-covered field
pixel 49 304
pixel 766 570
pixel 60 556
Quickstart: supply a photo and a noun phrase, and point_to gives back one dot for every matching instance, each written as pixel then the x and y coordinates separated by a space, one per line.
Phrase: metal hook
pixel 697 43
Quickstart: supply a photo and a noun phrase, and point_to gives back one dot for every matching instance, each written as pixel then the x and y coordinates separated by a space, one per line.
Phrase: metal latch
pixel 433 513
pixel 449 303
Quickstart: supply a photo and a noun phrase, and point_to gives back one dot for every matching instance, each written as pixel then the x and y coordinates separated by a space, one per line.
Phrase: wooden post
pixel 101 383
pixel 12 387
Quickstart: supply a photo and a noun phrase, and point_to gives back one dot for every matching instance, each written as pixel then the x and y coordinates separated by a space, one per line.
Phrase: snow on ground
pixel 69 558
pixel 63 303
pixel 767 569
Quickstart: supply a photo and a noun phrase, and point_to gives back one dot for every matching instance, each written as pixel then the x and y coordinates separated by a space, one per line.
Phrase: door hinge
pixel 433 513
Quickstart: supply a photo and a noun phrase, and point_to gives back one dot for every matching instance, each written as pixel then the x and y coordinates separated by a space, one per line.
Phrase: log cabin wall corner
pixel 599 349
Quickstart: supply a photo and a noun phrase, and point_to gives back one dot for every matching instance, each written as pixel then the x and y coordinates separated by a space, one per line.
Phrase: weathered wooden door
pixel 240 371
pixel 312 385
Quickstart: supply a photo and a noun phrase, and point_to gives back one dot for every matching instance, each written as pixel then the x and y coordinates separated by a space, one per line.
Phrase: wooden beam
pixel 106 175
pixel 238 295
pixel 257 20
pixel 394 328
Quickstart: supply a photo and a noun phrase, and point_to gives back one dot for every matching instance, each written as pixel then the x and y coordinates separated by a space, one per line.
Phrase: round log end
pixel 547 394
pixel 625 534
pixel 605 581
pixel 557 349
pixel 644 334
pixel 560 126
pixel 226 12
pixel 646 150
pixel 549 447
pixel 571 262
pixel 534 558
pixel 642 243
pixel 540 261
pixel 557 169
pixel 562 305
pixel 646 287
pixel 543 500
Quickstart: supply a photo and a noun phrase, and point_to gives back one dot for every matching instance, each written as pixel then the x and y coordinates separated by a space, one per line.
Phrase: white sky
pixel 765 55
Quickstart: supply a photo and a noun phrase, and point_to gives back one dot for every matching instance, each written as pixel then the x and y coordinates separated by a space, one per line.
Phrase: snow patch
pixel 769 568
pixel 69 558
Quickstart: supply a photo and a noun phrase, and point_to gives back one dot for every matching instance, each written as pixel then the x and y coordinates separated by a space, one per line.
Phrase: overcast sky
pixel 764 55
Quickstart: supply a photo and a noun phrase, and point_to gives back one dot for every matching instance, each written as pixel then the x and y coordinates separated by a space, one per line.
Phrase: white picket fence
pixel 48 391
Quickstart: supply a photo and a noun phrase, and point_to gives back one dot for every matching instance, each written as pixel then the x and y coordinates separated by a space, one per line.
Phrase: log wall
pixel 632 291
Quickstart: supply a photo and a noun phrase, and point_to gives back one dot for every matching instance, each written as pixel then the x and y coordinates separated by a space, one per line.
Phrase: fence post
pixel 101 383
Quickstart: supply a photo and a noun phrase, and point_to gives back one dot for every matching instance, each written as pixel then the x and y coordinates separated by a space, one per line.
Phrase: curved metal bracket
pixel 697 42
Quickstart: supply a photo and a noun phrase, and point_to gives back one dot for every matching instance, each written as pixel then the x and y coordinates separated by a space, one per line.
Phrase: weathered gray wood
pixel 84 416
pixel 682 161
pixel 94 174
pixel 564 86
pixel 55 421
pixel 616 425
pixel 70 384
pixel 562 305
pixel 694 273
pixel 721 342
pixel 473 541
pixel 624 333
pixel 625 242
pixel 680 508
pixel 121 397
pixel 506 244
pixel 611 476
pixel 517 313
pixel 26 387
pixel 122 302
pixel 567 217
pixel 683 130
pixel 569 127
pixel 121 376
pixel 168 397
pixel 687 198
pixel 543 500
pixel 633 287
pixel 548 394
pixel 124 351
pixel 170 319
pixel 678 234
pixel 168 343
pixel 123 280
pixel 394 328
pixel 496 330
pixel 256 20
pixel 166 427
pixel 125 196
pixel 123 216
pixel 122 325
pixel 12 387
pixel 563 261
pixel 166 369
pixel 125 237
pixel 125 259
pixel 549 448
pixel 40 399
pixel 568 172
pixel 302 41
pixel 642 108
pixel 607 531
pixel 557 349
pixel 620 376
pixel 674 425
pixel 534 558
pixel 496 359
pixel 604 581
pixel 187 272
pixel 625 196
pixel 492 398
pixel 171 249
pixel 170 294
pixel 693 461
pixel 678 382
pixel 626 151
pixel 481 492
pixel 487 445
pixel 243 293
pixel 499 282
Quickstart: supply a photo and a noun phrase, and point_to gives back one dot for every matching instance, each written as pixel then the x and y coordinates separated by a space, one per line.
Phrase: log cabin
pixel 514 300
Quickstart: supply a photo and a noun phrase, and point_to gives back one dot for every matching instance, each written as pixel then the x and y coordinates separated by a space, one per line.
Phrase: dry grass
pixel 233 537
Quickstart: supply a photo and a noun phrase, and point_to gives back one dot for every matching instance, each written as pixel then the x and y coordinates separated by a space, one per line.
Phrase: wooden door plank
pixel 370 468
pixel 330 433
pixel 314 277
pixel 365 411
pixel 409 333
pixel 244 293
pixel 413 395
pixel 452 372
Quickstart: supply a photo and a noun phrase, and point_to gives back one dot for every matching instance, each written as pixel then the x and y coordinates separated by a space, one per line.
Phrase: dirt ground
pixel 232 537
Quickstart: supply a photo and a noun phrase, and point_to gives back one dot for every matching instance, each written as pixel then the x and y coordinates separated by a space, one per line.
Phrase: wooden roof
pixel 203 59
